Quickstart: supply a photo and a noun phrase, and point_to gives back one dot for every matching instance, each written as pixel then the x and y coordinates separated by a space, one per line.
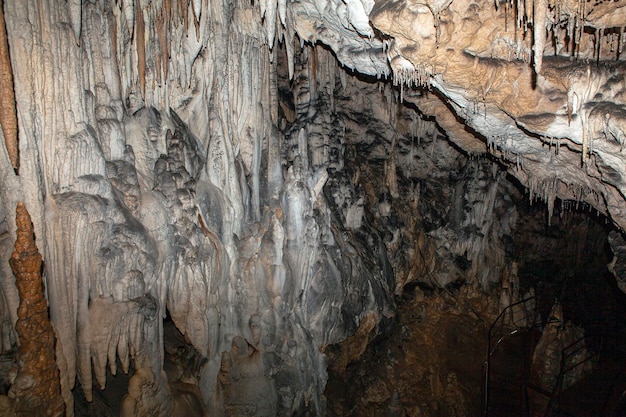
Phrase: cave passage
pixel 433 362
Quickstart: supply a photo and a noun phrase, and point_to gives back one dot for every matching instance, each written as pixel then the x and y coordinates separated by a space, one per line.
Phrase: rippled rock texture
pixel 430 366
pixel 162 182
pixel 270 174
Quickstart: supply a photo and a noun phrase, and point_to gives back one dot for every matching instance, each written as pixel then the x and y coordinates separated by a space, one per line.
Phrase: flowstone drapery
pixel 152 158
pixel 236 165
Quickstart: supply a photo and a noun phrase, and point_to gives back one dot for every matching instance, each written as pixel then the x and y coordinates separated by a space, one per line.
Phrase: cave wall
pixel 204 159
pixel 159 181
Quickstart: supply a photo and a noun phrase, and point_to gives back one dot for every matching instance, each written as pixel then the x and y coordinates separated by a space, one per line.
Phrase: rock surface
pixel 36 388
pixel 430 366
pixel 273 172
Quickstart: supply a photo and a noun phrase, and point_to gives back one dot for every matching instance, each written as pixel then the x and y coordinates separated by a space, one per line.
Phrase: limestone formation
pixel 245 388
pixel 560 359
pixel 36 388
pixel 546 362
pixel 418 371
pixel 8 112
pixel 278 172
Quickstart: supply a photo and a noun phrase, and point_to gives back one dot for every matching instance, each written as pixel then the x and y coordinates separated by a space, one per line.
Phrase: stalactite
pixel 282 11
pixel 579 26
pixel 161 25
pixel 128 8
pixel 585 145
pixel 8 110
pixel 37 388
pixel 599 44
pixel 183 9
pixel 158 58
pixel 270 22
pixel 197 11
pixel 164 37
pixel 312 59
pixel 140 43
pixel 391 178
pixel 76 10
pixel 540 10
pixel 570 107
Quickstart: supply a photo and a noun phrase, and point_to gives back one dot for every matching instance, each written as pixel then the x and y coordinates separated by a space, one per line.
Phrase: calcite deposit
pixel 271 175
pixel 36 388
pixel 8 112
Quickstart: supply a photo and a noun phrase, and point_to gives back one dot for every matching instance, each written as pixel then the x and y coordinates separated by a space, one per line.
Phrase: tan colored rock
pixel 8 110
pixel 353 347
pixel 36 389
pixel 246 390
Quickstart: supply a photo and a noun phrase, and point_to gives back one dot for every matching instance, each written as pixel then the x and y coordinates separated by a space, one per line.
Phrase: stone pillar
pixel 36 389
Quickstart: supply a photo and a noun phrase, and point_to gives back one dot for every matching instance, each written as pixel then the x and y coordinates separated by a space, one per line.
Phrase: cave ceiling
pixel 540 87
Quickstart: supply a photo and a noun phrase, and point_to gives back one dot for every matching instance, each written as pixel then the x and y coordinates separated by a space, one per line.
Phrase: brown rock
pixel 37 389
pixel 8 110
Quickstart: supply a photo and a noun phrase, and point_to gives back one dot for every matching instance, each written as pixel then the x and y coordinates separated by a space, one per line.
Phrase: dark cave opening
pixel 432 197
pixel 410 374
pixel 566 260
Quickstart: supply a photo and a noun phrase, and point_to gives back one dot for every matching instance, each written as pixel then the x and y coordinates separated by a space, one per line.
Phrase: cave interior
pixel 312 208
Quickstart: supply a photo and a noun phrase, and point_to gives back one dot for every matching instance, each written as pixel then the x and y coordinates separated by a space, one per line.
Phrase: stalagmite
pixel 36 389
pixel 8 110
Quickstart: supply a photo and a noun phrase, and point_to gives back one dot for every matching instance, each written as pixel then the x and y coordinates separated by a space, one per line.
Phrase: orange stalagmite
pixel 8 110
pixel 37 388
